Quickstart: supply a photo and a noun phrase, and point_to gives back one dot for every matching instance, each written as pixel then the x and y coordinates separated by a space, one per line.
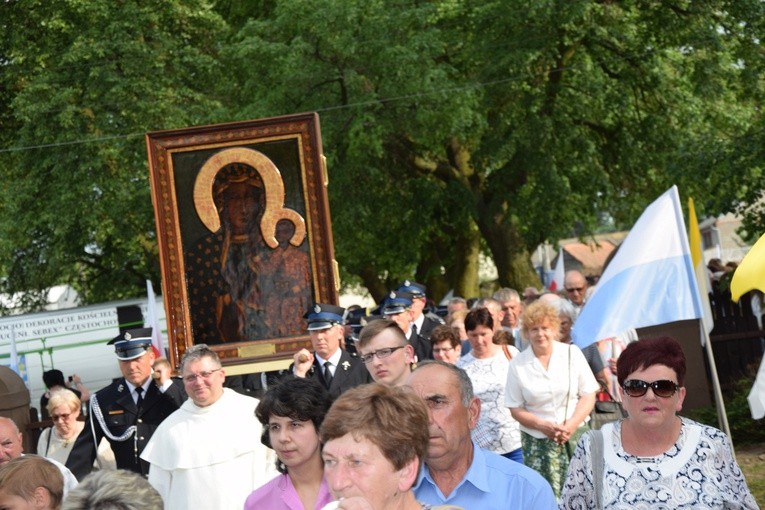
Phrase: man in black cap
pixel 329 364
pixel 398 308
pixel 127 412
pixel 422 323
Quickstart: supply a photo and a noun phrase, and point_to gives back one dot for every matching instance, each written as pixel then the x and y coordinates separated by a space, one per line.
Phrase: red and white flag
pixel 557 280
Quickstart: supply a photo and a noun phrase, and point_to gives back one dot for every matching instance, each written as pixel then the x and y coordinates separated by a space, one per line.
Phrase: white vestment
pixel 209 457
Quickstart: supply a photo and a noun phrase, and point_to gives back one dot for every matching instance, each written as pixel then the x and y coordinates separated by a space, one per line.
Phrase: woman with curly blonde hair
pixel 551 392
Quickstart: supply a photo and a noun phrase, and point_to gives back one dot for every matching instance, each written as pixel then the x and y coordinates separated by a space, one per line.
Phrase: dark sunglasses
pixel 638 388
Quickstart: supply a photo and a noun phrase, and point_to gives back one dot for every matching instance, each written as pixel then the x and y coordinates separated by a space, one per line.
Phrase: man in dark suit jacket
pixel 398 308
pixel 127 412
pixel 329 364
pixel 422 323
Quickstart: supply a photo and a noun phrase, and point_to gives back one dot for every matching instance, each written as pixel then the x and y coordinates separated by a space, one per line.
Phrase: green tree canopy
pixel 83 81
pixel 522 119
pixel 451 127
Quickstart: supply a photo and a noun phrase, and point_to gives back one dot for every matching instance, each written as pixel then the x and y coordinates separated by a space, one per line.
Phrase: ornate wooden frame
pixel 287 155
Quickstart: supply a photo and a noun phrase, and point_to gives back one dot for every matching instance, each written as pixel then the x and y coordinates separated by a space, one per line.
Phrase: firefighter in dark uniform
pixel 329 364
pixel 127 412
pixel 398 308
pixel 423 322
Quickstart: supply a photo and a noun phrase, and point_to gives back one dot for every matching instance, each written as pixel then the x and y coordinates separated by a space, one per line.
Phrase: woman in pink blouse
pixel 291 414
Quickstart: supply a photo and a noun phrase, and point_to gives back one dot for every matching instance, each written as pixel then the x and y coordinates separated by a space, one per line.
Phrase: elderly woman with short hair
pixel 654 458
pixel 371 460
pixel 446 344
pixel 56 442
pixel 551 392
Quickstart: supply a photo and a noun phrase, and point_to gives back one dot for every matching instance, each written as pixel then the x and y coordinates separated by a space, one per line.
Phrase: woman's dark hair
pixel 647 352
pixel 296 398
pixel 478 317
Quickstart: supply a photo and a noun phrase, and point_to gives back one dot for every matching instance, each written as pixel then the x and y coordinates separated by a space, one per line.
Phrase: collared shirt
pixel 420 320
pixel 334 360
pixel 550 394
pixel 280 494
pixel 132 388
pixel 166 385
pixel 491 482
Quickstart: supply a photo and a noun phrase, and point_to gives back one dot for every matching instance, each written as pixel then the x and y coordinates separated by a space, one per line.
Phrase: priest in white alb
pixel 208 453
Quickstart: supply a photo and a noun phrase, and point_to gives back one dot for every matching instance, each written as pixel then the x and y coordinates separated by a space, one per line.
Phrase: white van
pixel 72 340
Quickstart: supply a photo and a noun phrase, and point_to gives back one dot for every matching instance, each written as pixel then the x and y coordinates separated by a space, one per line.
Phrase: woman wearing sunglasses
pixel 654 458
pixel 56 442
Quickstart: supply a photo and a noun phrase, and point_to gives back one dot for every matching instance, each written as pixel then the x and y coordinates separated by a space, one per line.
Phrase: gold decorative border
pixel 304 130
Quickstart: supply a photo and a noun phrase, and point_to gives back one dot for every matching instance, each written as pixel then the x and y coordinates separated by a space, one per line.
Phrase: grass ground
pixel 751 458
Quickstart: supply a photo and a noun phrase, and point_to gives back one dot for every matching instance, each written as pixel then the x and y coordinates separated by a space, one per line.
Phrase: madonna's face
pixel 241 206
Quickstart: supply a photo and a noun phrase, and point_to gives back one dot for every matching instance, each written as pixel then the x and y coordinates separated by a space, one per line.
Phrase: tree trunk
pixel 376 287
pixel 465 280
pixel 511 257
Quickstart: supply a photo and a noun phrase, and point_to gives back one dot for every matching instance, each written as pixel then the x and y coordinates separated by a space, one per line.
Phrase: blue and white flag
pixel 14 353
pixel 649 281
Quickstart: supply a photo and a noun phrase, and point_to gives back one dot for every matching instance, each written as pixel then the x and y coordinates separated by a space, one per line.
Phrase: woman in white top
pixel 56 442
pixel 486 364
pixel 551 392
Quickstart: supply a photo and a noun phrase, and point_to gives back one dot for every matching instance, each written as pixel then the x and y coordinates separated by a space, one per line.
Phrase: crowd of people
pixel 486 408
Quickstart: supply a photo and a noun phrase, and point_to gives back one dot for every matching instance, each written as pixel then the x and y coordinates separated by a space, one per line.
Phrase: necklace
pixel 65 441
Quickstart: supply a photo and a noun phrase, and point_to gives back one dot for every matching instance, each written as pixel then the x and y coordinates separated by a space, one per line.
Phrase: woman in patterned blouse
pixel 654 458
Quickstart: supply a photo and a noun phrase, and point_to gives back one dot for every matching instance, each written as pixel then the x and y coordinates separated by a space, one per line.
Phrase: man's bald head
pixel 576 286
pixel 10 440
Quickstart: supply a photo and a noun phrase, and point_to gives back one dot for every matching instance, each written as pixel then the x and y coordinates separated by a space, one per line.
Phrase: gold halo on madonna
pixel 274 191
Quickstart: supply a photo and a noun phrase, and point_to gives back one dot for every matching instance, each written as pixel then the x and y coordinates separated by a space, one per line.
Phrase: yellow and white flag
pixel 750 275
pixel 699 267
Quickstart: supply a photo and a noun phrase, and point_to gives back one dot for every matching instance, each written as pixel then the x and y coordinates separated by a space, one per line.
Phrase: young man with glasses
pixel 386 353
pixel 208 454
pixel 127 412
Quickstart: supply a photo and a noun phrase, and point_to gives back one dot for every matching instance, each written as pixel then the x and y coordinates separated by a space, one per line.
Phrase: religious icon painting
pixel 244 235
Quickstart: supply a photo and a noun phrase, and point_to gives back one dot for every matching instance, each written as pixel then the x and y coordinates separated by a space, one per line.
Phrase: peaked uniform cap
pixel 132 343
pixel 324 316
pixel 397 302
pixel 417 290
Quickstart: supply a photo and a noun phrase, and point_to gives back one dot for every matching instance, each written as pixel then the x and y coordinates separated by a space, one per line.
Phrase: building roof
pixel 591 256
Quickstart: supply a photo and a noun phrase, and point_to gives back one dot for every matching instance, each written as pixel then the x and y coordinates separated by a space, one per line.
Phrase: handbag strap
pixel 604 389
pixel 619 406
pixel 47 443
pixel 569 452
pixel 598 461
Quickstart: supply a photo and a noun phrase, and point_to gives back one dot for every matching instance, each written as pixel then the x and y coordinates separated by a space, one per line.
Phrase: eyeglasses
pixel 380 353
pixel 191 378
pixel 575 289
pixel 638 388
pixel 56 417
pixel 439 350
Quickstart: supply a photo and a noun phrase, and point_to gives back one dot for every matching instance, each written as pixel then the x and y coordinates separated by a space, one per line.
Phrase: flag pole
pixel 706 322
pixel 722 416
